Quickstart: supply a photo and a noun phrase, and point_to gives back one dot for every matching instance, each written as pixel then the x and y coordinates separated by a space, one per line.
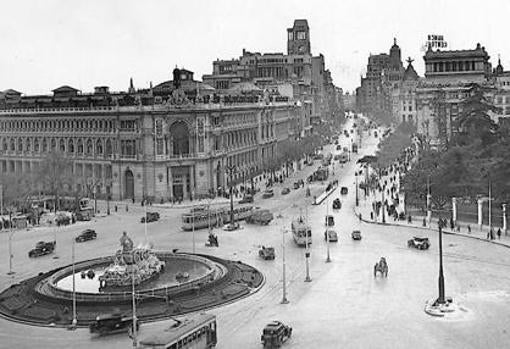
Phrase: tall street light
pixel 307 250
pixel 11 233
pixel 75 319
pixel 284 288
pixel 133 297
pixel 441 299
pixel 357 198
pixel 328 257
pixel 230 171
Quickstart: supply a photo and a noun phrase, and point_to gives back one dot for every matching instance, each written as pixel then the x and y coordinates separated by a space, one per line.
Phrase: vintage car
pixel 86 235
pixel 330 235
pixel 269 193
pixel 329 220
pixel 336 142
pixel 231 226
pixel 266 252
pixel 151 217
pixel 262 217
pixel 42 248
pixel 356 235
pixel 296 185
pixel 275 334
pixel 112 323
pixel 344 191
pixel 419 243
pixel 338 147
pixel 337 204
pixel 247 198
pixel 285 191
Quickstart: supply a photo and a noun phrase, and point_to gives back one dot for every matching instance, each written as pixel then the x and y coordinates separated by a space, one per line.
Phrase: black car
pixel 112 323
pixel 344 191
pixel 151 217
pixel 86 235
pixel 42 248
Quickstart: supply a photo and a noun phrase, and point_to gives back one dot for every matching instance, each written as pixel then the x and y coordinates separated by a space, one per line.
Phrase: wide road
pixel 342 307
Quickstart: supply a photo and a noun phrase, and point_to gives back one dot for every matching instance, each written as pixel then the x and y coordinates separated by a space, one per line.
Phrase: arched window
pixel 108 150
pixel 70 146
pixel 36 145
pixel 99 147
pixel 89 146
pixel 62 145
pixel 80 146
pixel 53 143
pixel 180 136
pixel 20 144
pixel 5 147
pixel 44 145
pixel 28 144
pixel 13 144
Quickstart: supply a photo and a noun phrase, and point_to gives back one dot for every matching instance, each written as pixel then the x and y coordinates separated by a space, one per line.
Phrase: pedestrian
pixel 372 215
pixel 469 228
pixel 116 208
pixel 499 233
pixel 458 228
pixel 409 219
pixel 360 217
pixel 133 199
pixel 424 222
pixel 451 224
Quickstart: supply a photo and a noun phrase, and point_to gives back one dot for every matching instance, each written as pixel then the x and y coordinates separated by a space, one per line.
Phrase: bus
pixel 199 332
pixel 203 217
pixel 301 232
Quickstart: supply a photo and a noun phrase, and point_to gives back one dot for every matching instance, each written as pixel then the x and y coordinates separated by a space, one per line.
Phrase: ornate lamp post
pixel 441 299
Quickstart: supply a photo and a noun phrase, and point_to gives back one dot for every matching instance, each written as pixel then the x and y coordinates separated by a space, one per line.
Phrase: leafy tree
pixel 54 172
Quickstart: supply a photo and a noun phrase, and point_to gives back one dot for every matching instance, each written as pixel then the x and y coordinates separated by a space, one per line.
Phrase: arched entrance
pixel 129 184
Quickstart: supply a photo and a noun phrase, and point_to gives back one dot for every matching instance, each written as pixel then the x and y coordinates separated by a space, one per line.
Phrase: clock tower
pixel 298 38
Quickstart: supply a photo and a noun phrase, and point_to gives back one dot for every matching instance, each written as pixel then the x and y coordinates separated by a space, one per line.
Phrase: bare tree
pixel 55 170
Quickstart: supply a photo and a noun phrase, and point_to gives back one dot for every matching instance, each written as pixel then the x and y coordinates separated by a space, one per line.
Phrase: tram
pixel 204 217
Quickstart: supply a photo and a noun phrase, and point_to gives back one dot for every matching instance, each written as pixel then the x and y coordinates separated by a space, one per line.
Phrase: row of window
pixel 45 125
pixel 501 99
pixel 71 145
pixel 79 169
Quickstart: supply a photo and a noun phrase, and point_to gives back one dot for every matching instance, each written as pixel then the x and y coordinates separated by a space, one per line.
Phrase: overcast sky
pixel 46 44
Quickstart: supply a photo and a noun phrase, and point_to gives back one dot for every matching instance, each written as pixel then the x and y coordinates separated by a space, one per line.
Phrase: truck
pixel 262 217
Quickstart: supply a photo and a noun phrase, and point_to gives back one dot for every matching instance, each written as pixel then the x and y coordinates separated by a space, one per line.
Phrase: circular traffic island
pixel 180 283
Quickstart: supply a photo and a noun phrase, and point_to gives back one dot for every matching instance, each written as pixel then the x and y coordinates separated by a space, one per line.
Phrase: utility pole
pixel 75 320
pixel 357 199
pixel 490 209
pixel 328 258
pixel 307 251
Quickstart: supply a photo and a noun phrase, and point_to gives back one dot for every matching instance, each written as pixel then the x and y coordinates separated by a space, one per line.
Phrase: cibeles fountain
pixel 165 283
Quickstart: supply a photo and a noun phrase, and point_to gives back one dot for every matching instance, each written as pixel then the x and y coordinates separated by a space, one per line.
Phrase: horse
pixel 382 267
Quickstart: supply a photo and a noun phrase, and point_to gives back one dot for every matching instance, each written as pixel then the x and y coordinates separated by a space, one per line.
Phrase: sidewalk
pixel 365 208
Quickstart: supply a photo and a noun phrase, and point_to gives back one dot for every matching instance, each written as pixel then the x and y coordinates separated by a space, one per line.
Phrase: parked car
pixel 247 198
pixel 285 191
pixel 344 191
pixel 112 323
pixel 356 235
pixel 296 185
pixel 262 217
pixel 339 147
pixel 330 235
pixel 86 235
pixel 337 204
pixel 269 193
pixel 275 334
pixel 42 248
pixel 419 243
pixel 231 226
pixel 267 253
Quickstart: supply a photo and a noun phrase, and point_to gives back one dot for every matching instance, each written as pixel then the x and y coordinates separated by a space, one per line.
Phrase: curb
pixel 431 229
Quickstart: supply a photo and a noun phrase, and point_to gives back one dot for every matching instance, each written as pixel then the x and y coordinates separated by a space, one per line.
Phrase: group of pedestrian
pixel 491 235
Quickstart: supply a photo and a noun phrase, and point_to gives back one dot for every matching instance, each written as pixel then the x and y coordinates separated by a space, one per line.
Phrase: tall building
pixel 448 78
pixel 297 74
pixel 171 141
pixel 376 95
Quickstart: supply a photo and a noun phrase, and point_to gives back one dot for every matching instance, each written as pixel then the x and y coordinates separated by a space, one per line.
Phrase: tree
pixel 392 146
pixel 474 120
pixel 54 172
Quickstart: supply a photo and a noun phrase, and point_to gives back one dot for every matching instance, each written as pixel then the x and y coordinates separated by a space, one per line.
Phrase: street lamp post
pixel 307 252
pixel 284 288
pixel 441 299
pixel 135 344
pixel 75 319
pixel 11 233
pixel 230 170
pixel 328 257
pixel 357 198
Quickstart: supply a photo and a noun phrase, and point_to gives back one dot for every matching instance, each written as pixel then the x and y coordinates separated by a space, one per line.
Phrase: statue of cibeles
pixel 126 242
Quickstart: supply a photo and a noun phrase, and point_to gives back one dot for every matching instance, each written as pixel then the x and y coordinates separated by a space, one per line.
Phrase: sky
pixel 50 43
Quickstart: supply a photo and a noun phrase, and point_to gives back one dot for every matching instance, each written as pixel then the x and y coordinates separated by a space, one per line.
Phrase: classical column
pixel 504 219
pixel 454 210
pixel 480 217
